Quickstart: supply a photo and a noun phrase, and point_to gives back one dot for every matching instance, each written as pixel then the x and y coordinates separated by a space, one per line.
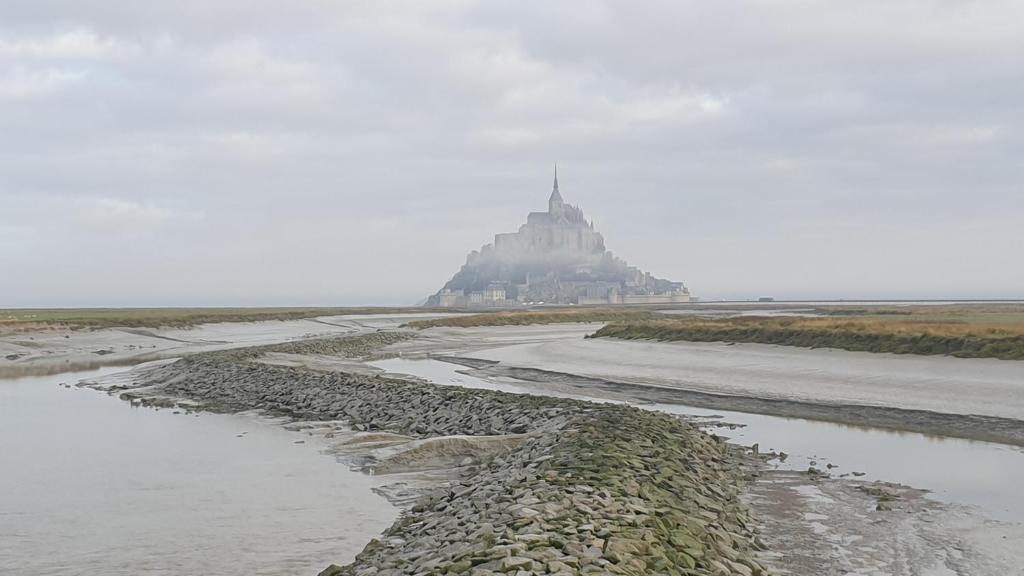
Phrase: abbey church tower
pixel 555 202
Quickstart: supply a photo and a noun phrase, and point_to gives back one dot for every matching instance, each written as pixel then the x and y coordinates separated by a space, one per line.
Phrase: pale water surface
pixel 91 485
pixel 983 474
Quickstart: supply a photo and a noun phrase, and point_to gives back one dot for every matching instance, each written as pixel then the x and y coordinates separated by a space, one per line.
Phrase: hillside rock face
pixel 558 258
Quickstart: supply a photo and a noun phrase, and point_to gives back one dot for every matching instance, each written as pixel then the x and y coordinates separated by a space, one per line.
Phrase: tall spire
pixel 555 202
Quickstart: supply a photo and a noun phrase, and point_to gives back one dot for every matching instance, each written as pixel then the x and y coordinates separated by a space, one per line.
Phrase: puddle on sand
pixel 983 474
pixel 963 471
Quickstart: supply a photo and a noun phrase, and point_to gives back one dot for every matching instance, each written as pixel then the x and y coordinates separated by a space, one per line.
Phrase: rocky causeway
pixel 575 487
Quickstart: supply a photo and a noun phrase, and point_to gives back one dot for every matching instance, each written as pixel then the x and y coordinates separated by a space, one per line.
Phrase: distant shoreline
pixel 16 319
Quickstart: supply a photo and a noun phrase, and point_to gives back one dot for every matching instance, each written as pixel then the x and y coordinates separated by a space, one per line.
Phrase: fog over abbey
pixel 556 257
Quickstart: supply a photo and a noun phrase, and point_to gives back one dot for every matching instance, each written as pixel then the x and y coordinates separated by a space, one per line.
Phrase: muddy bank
pixel 821 525
pixel 55 349
pixel 943 385
pixel 967 426
pixel 579 487
pixel 828 526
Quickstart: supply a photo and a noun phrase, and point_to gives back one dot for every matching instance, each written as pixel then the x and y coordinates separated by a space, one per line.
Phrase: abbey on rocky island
pixel 555 258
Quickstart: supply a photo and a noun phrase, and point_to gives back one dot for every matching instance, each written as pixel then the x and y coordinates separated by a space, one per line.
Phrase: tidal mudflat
pixel 956 500
pixel 93 485
pixel 57 349
pixel 493 481
pixel 983 474
pixel 940 384
pixel 979 399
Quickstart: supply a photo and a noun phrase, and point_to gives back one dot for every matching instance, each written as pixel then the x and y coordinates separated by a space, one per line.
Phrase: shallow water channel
pixel 91 485
pixel 982 474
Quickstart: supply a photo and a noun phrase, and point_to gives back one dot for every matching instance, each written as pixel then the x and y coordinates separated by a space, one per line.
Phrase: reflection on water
pixel 90 485
pixel 978 473
pixel 24 370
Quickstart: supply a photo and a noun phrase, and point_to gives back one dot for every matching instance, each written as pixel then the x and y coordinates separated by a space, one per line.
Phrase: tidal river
pixel 92 485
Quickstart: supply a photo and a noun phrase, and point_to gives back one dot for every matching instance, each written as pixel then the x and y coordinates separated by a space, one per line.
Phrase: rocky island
pixel 555 258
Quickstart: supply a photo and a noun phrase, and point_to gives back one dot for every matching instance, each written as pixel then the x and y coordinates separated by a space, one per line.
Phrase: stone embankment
pixel 588 488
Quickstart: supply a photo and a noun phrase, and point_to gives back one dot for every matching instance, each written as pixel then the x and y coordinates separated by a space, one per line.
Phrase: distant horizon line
pixel 758 300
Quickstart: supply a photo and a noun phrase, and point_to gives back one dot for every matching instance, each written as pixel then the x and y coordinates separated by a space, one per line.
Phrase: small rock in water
pixel 815 473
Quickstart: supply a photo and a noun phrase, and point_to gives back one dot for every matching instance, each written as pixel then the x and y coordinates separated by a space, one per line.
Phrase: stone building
pixel 556 257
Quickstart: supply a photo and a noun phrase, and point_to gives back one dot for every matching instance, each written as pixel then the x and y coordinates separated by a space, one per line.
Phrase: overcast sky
pixel 310 152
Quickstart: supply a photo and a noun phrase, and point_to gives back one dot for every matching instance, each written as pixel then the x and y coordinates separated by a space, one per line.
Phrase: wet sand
pixel 986 475
pixel 930 539
pixel 814 524
pixel 54 351
pixel 830 526
pixel 938 384
pixel 969 398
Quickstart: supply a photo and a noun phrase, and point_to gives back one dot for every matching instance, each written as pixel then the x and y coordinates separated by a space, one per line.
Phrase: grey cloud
pixel 309 152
